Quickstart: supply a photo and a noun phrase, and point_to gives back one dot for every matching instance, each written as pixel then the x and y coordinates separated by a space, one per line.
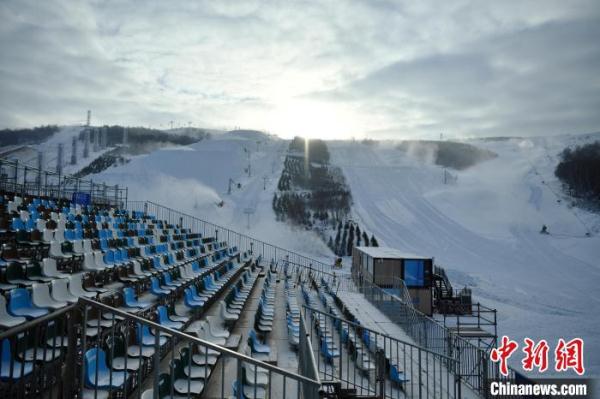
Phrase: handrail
pixel 60 186
pixel 37 321
pixel 430 329
pixel 305 352
pixel 241 234
pixel 317 266
pixel 197 340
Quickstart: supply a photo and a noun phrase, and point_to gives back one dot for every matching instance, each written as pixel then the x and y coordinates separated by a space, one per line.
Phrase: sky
pixel 328 68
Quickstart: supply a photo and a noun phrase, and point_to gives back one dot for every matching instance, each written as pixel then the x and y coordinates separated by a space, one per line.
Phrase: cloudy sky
pixel 326 68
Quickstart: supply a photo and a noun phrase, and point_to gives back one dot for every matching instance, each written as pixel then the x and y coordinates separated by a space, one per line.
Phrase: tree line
pixel 579 171
pixel 314 194
pixel 348 236
pixel 305 194
pixel 142 135
pixel 35 135
pixel 317 149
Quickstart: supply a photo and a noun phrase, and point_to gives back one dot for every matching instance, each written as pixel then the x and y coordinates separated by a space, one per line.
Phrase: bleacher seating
pixel 55 252
pixel 292 312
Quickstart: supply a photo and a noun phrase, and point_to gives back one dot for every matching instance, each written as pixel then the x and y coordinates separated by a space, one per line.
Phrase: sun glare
pixel 312 119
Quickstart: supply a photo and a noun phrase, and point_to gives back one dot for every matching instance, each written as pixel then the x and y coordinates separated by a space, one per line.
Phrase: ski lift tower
pixel 248 212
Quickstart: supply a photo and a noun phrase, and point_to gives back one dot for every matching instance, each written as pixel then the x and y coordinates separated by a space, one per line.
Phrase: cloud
pixel 540 80
pixel 391 68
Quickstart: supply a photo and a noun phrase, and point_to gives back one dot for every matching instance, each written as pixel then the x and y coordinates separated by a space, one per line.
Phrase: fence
pixel 34 356
pixel 307 365
pixel 80 368
pixel 475 367
pixel 244 242
pixel 24 179
pixel 376 364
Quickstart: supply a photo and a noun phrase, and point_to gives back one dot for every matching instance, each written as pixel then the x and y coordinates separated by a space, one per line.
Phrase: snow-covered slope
pixel 195 178
pixel 485 230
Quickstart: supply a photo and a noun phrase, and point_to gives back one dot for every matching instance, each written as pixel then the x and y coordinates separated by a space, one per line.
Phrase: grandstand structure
pixel 120 299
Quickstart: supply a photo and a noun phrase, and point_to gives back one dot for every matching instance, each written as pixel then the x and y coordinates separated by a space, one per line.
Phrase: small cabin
pixel 384 266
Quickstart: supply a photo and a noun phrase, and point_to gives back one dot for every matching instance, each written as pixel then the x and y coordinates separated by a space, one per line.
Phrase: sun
pixel 313 119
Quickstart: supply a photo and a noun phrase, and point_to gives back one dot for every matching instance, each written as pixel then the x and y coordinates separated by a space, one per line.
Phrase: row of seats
pixel 19 273
pixel 194 364
pixel 353 341
pixel 361 342
pixel 146 339
pixel 292 312
pixel 95 325
pixel 265 314
pixel 255 381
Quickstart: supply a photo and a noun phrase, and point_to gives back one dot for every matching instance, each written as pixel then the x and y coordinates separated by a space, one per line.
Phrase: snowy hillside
pixel 195 179
pixel 484 229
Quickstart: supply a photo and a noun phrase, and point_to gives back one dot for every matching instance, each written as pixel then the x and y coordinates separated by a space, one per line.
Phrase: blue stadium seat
pixel 11 368
pixel 164 320
pixel 156 289
pixel 20 305
pixel 191 301
pixel 101 376
pixel 397 376
pixel 328 353
pixel 131 301
pixel 256 345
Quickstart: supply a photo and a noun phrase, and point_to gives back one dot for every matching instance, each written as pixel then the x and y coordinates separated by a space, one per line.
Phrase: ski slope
pixel 484 230
pixel 195 179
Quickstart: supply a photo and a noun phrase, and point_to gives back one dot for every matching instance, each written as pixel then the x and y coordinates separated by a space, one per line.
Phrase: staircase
pixel 442 284
pixel 446 299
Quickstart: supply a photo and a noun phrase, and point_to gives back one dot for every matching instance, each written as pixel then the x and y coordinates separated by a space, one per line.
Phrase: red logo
pixel 502 353
pixel 535 355
pixel 569 355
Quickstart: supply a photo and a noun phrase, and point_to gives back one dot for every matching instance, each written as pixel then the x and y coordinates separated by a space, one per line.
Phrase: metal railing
pixel 244 242
pixel 475 366
pixel 94 342
pixel 307 365
pixel 34 356
pixel 23 179
pixel 183 365
pixel 377 364
pixel 476 317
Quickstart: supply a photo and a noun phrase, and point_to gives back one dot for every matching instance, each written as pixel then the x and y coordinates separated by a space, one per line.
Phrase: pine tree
pixel 330 243
pixel 343 244
pixel 350 242
pixel 365 238
pixel 337 242
pixel 374 242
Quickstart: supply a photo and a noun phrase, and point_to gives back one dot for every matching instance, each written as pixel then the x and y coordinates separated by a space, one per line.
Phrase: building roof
pixel 389 253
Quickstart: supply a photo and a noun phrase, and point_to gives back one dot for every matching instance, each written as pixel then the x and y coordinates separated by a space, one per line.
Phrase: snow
pixel 49 148
pixel 484 230
pixel 194 179
pixel 389 253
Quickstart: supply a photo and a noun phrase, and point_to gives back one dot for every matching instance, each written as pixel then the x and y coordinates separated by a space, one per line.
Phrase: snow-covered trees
pixel 374 242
